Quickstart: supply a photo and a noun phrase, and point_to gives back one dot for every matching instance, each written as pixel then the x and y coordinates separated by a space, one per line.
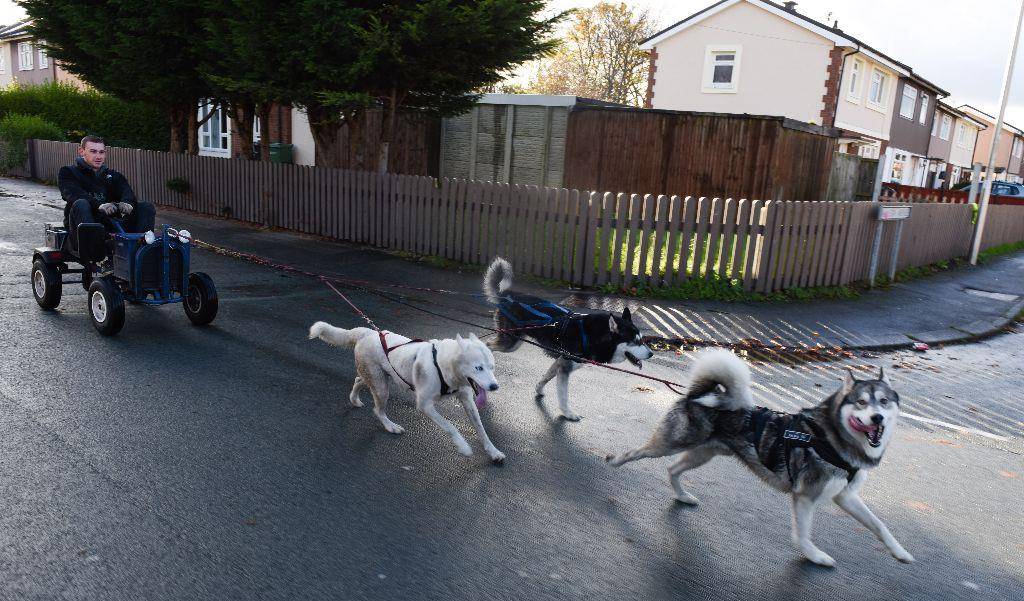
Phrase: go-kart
pixel 148 269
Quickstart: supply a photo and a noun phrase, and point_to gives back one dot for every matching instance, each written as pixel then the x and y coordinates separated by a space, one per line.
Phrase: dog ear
pixel 473 337
pixel 625 314
pixel 613 325
pixel 848 382
pixel 882 377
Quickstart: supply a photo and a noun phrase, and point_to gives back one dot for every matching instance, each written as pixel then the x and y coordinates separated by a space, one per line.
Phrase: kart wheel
pixel 46 284
pixel 106 306
pixel 200 300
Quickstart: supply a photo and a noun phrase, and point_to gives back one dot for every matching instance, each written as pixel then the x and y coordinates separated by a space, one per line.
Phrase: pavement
pixel 175 462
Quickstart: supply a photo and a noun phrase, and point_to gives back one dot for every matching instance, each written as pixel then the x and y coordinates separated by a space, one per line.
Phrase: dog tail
pixel 337 336
pixel 721 380
pixel 498 279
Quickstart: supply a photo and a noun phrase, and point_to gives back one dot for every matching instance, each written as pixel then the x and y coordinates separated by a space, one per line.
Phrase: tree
pixel 134 50
pixel 600 56
pixel 430 56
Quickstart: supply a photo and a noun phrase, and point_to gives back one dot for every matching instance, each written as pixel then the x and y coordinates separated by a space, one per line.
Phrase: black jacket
pixel 81 181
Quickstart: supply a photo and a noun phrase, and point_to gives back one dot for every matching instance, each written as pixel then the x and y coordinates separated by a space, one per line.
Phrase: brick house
pixel 761 57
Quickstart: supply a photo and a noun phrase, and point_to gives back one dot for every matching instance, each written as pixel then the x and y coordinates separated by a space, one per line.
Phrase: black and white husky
pixel 599 336
pixel 822 452
pixel 462 366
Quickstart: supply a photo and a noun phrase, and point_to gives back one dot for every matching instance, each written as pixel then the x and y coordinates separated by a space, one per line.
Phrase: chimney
pixel 790 6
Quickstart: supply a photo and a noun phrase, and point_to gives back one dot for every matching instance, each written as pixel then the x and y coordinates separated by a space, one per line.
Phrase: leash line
pixel 366 286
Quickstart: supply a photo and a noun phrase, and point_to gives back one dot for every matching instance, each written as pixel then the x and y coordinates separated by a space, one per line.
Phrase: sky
pixel 960 46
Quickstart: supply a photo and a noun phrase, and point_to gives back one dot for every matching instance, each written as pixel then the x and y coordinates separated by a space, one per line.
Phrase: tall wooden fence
pixel 583 237
pixel 901 193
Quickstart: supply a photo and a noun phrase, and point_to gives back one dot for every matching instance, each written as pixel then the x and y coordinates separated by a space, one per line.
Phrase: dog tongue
pixel 860 426
pixel 481 397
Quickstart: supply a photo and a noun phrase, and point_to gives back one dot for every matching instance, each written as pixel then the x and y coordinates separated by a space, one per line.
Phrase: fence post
pixel 31 157
pixel 883 162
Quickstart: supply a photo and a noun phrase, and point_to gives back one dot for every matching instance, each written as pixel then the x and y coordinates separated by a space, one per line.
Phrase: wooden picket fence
pixel 586 238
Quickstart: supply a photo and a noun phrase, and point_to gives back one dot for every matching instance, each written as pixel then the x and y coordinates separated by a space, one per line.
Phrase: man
pixel 93 191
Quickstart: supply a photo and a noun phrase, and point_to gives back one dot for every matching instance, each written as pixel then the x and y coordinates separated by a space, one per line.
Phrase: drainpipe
pixel 839 84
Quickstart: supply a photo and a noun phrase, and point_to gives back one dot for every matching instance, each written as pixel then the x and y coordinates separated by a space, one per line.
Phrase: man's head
pixel 93 151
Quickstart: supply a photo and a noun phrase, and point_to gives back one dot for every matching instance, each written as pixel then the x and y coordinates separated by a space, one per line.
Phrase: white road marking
pixel 936 422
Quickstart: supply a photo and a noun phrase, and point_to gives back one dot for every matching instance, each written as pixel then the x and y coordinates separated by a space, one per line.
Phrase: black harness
pixel 445 389
pixel 790 434
pixel 531 316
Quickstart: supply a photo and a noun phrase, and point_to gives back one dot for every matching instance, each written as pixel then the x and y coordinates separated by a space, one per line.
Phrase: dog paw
pixel 902 555
pixel 612 460
pixel 356 402
pixel 394 428
pixel 571 417
pixel 464 449
pixel 497 457
pixel 687 499
pixel 821 558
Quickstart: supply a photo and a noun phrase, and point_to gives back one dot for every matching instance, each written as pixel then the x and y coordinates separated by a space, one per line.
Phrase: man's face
pixel 94 154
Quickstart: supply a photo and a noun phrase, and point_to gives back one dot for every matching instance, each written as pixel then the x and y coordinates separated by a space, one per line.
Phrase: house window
pixel 947 125
pixel 899 161
pixel 44 61
pixel 935 125
pixel 3 64
pixel 722 69
pixel 25 56
pixel 853 91
pixel 924 108
pixel 1018 147
pixel 908 102
pixel 876 94
pixel 215 134
pixel 961 134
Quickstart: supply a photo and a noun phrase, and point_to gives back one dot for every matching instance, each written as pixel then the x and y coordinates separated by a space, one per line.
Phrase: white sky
pixel 959 45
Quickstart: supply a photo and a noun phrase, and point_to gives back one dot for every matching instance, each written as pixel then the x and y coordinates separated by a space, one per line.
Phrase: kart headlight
pixel 150 237
pixel 184 236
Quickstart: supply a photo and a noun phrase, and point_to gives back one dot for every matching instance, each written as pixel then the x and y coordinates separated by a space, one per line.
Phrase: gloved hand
pixel 126 209
pixel 108 208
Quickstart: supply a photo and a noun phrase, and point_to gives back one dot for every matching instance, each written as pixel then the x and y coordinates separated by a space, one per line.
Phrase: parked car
pixel 1007 189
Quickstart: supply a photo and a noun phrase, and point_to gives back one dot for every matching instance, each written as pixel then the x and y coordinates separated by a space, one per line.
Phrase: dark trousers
pixel 142 219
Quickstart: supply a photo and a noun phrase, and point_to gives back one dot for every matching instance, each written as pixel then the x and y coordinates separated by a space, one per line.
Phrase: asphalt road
pixel 175 462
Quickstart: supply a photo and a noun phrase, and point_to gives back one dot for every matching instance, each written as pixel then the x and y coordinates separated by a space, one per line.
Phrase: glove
pixel 126 209
pixel 108 208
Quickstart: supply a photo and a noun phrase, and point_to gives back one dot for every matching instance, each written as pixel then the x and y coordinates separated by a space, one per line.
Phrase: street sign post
pixel 887 212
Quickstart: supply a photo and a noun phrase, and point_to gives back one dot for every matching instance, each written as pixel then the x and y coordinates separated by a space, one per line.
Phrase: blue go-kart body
pixel 118 266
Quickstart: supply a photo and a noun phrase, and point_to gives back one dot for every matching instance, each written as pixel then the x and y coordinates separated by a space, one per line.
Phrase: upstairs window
pixel 961 134
pixel 947 125
pixel 853 90
pixel 722 69
pixel 924 108
pixel 876 94
pixel 908 102
pixel 935 125
pixel 44 61
pixel 25 56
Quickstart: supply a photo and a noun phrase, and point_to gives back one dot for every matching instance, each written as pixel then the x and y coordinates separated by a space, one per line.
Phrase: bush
pixel 79 112
pixel 15 129
pixel 179 185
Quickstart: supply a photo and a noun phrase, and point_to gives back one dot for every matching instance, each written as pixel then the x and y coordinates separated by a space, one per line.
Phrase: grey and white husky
pixel 822 452
pixel 463 366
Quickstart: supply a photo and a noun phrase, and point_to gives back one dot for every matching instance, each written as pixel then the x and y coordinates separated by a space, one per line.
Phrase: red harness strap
pixel 387 352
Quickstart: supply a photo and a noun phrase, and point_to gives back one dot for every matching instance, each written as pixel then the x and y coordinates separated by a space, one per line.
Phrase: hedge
pixel 14 130
pixel 79 112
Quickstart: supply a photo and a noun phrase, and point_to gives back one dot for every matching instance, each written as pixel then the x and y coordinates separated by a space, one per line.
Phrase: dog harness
pixel 445 389
pixel 790 434
pixel 532 317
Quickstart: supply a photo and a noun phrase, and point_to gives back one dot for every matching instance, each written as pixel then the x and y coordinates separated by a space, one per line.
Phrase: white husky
pixel 433 368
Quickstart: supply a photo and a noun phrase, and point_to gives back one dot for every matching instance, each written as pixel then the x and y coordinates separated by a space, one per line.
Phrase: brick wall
pixel 830 98
pixel 649 99
pixel 280 129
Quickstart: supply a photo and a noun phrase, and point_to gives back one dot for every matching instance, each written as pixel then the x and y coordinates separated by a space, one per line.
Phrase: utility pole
pixel 979 229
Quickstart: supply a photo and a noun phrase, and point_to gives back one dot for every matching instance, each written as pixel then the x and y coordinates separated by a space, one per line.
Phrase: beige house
pixel 760 57
pixel 1009 150
pixel 24 60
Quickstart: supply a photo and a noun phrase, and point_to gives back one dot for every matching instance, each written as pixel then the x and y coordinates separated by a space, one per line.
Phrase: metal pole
pixel 895 250
pixel 987 190
pixel 875 247
pixel 972 196
pixel 883 160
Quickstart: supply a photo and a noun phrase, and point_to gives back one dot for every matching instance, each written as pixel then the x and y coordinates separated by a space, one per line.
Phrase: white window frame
pixel 44 60
pixel 882 83
pixel 3 63
pixel 25 52
pixel 908 100
pixel 707 83
pixel 856 75
pixel 935 125
pixel 924 108
pixel 215 144
pixel 1018 147
pixel 947 127
pixel 961 134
